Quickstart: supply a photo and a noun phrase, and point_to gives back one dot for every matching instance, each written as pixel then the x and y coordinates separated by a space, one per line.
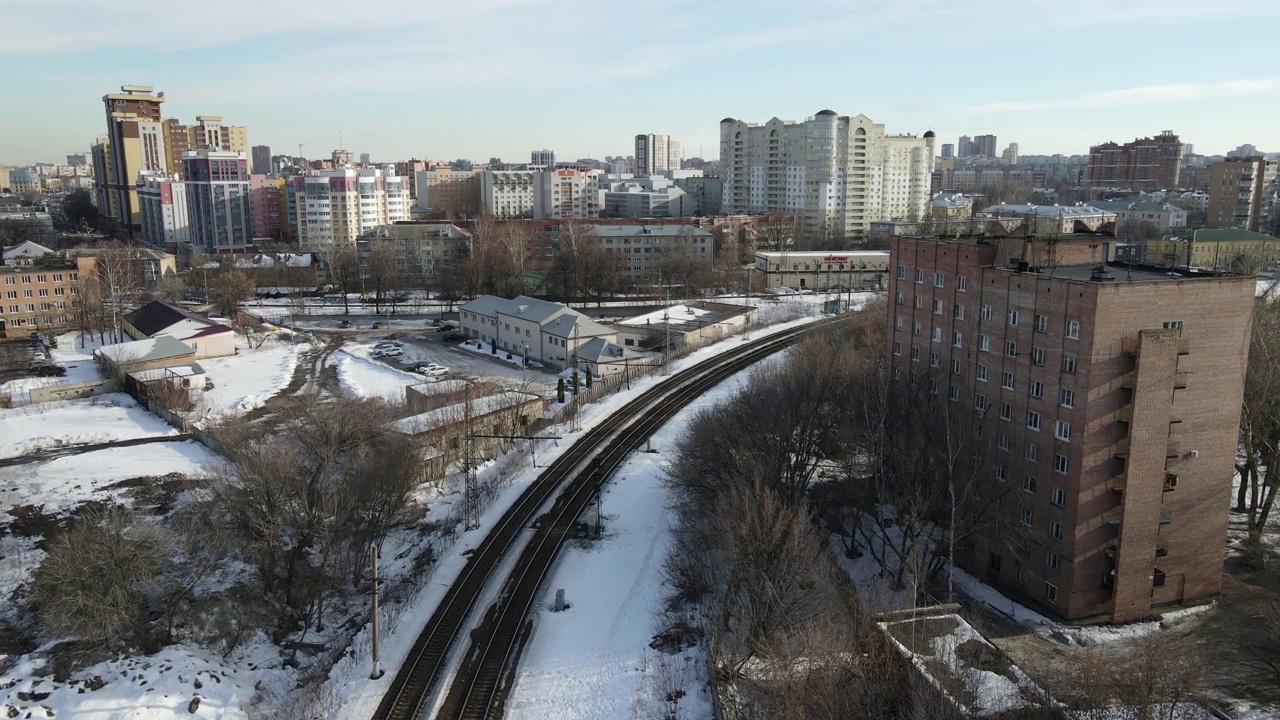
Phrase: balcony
pixel 1184 346
pixel 1170 481
pixel 1166 517
pixel 1125 414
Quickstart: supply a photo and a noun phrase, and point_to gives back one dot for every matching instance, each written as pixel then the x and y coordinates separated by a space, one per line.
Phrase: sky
pixel 442 79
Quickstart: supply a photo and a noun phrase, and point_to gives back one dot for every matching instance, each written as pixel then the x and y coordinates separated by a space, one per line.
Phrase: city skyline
pixel 707 60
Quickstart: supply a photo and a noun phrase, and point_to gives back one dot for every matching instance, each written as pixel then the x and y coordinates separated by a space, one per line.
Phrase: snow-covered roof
pixel 599 350
pixel 457 412
pixel 673 314
pixel 160 347
pixel 27 249
pixel 443 387
pixel 823 255
pixel 191 370
pixel 563 326
pixel 1058 211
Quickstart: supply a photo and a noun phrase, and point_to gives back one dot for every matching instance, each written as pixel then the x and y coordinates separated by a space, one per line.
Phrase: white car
pixel 384 344
pixel 388 352
pixel 431 370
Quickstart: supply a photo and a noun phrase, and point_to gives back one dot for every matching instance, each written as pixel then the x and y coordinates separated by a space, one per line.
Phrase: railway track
pixel 479 690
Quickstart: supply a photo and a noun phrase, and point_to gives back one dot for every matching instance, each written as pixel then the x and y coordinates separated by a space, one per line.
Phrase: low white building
pixel 680 325
pixel 539 331
pixel 824 269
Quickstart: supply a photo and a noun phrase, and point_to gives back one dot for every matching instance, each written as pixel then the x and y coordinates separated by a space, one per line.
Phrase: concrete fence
pixel 52 393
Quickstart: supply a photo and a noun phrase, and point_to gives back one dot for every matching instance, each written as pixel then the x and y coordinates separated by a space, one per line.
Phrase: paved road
pixel 81 448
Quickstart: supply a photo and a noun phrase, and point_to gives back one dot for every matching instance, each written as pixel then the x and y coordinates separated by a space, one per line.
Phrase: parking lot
pixel 420 347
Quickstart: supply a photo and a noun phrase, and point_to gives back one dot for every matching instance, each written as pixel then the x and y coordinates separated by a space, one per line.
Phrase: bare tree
pixel 91 583
pixel 516 238
pixel 118 269
pixel 229 289
pixel 1258 460
pixel 384 274
pixel 343 267
pixel 172 288
pixel 90 312
pixel 777 232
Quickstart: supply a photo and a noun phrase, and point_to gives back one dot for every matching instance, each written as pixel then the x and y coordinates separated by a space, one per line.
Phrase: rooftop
pixel 690 316
pixel 823 254
pixel 1134 206
pixel 161 347
pixel 1231 235
pixel 646 230
pixel 1124 273
pixel 1059 211
pixel 457 412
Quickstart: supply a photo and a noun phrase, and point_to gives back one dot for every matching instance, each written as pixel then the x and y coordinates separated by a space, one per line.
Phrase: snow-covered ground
pixel 246 381
pixel 62 483
pixel 114 416
pixel 177 682
pixel 363 376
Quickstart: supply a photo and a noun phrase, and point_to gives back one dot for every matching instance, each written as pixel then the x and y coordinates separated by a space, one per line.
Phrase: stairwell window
pixel 899 298
pixel 984 343
pixel 1036 389
pixel 1033 420
pixel 982 373
pixel 962 283
pixel 957 340
pixel 953 393
pixel 937 307
pixel 898 323
pixel 1013 318
pixel 918 303
pixel 902 272
pixel 1026 517
pixel 1031 453
pixel 897 348
pixel 915 327
pixel 1055 529
pixel 1066 397
pixel 986 312
pixel 1006 380
pixel 1037 356
pixel 1058 497
pixel 957 312
pixel 1069 364
pixel 939 280
pixel 1029 485
pixel 1060 464
pixel 1002 441
pixel 1042 324
pixel 1052 560
pixel 955 367
pixel 935 359
pixel 1073 329
pixel 980 403
pixel 936 335
pixel 919 277
pixel 1010 348
pixel 1006 411
pixel 1062 431
pixel 915 354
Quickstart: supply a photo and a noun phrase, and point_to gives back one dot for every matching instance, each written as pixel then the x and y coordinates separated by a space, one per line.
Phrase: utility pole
pixel 377 671
pixel 470 499
pixel 666 330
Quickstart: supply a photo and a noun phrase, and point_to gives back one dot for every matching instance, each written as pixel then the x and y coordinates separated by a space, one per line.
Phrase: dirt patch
pixel 155 493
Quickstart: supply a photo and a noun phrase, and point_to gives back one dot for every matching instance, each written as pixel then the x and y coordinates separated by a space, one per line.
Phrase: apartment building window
pixel 57 277
pixel 895 374
pixel 977 432
pixel 26 293
pixel 1058 497
pixel 919 276
pixel 899 298
pixel 982 373
pixel 1012 317
pixel 915 327
pixel 1026 517
pixel 1036 389
pixel 1062 431
pixel 13 294
pixel 59 291
pixel 1066 397
pixel 915 354
pixel 1060 464
pixel 1031 452
pixel 1033 420
pixel 936 335
pixel 1052 560
pixel 955 367
pixel 1002 441
pixel 1006 411
pixel 1020 574
pixel 1055 529
pixel 1073 329
pixel 10 280
pixel 938 280
pixel 957 312
pixel 44 292
pixel 957 340
pixel 1010 348
pixel 937 307
pixel 1167 324
pixel 935 360
pixel 26 279
pixel 986 312
pixel 1069 364
pixel 953 393
pixel 962 283
pixel 898 323
pixel 1002 473
pixel 897 348
pixel 1051 592
pixel 1029 485
pixel 1006 380
pixel 1037 356
pixel 42 278
pixel 1042 323
pixel 980 402
pixel 918 303
pixel 984 343
pixel 902 272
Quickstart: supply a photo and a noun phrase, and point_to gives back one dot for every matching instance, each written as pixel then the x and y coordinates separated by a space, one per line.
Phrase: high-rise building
pixel 266 206
pixel 77 160
pixel 1241 151
pixel 567 193
pixel 341 158
pixel 134 143
pixel 207 133
pixel 452 193
pixel 508 194
pixel 261 160
pixel 365 158
pixel 1244 193
pixel 331 208
pixel 1104 403
pixel 965 148
pixel 656 154
pixel 985 145
pixel 1144 164
pixel 162 200
pixel 838 173
pixel 217 185
pixel 544 157
pixel 1010 154
pixel 948 150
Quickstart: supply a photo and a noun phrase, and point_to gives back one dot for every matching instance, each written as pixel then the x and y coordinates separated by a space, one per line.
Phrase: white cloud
pixel 1164 94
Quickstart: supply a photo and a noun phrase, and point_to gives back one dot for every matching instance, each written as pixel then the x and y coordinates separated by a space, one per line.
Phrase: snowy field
pixel 593 661
pixel 248 380
pixel 114 416
pixel 65 482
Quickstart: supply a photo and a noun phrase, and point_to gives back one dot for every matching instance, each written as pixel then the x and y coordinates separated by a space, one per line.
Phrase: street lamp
pixel 526 354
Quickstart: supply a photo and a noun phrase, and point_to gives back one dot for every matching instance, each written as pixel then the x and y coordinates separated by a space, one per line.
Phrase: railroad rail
pixel 479 689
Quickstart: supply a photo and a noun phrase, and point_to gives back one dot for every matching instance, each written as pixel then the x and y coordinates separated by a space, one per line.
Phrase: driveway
pixel 431 347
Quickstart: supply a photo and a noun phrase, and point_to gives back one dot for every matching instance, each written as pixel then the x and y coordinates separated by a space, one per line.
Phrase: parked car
pixel 388 352
pixel 455 337
pixel 377 326
pixel 388 344
pixel 430 369
pixel 344 324
pixel 50 371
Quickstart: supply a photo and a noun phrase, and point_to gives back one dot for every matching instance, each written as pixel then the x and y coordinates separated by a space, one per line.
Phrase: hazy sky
pixel 442 79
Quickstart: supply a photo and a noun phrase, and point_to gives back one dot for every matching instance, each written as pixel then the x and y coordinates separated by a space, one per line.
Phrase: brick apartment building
pixel 1145 164
pixel 40 297
pixel 1108 400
